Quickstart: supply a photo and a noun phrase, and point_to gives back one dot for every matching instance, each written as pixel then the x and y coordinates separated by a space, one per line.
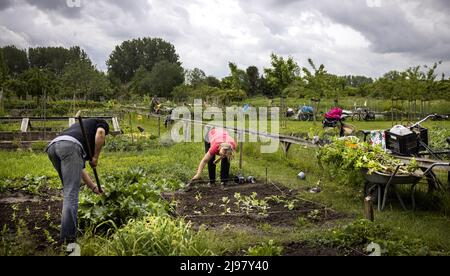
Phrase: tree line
pixel 151 67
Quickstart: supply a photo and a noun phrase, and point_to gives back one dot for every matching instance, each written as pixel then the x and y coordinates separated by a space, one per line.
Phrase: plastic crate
pixel 402 144
pixel 423 136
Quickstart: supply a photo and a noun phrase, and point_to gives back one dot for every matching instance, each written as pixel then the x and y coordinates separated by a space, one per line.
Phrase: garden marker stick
pixel 80 119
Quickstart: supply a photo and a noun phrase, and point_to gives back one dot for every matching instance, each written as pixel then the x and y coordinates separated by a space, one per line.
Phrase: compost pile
pixel 351 155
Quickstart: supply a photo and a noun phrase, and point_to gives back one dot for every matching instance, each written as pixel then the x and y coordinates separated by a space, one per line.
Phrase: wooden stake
pixel 266 175
pixel 159 127
pixel 241 150
pixel 131 127
pixel 368 208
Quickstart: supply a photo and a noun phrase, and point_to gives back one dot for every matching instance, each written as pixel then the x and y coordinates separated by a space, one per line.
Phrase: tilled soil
pixel 33 214
pixel 205 205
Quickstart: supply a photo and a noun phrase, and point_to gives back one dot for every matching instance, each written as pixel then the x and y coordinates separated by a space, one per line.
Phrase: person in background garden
pixel 68 153
pixel 217 142
pixel 168 121
pixel 153 105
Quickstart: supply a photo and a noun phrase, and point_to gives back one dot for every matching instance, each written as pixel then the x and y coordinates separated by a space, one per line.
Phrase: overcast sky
pixel 367 37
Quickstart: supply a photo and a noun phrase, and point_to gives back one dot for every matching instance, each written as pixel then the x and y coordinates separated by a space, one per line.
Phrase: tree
pixel 336 86
pixel 16 87
pixel 3 69
pixel 253 81
pixel 226 83
pixel 16 60
pixel 267 89
pixel 82 79
pixel 296 89
pixel 239 79
pixel 164 77
pixel 127 58
pixel 56 58
pixel 212 81
pixel 182 93
pixel 358 81
pixel 195 77
pixel 430 80
pixel 40 82
pixel 316 81
pixel 142 82
pixel 282 73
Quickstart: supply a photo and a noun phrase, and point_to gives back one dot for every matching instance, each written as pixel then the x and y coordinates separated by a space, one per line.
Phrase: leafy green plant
pixel 247 204
pixel 314 215
pixel 224 205
pixel 17 243
pixel 265 249
pixel 49 237
pixel 360 233
pixel 30 184
pixel 152 236
pixel 349 157
pixel 198 196
pixel 438 136
pixel 123 143
pixel 128 195
pixel 288 204
pixel 301 222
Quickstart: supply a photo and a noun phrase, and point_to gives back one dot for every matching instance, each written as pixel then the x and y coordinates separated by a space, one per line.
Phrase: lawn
pixel 139 182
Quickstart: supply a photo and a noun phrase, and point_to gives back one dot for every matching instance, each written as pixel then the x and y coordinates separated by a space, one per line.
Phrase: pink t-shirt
pixel 218 136
pixel 335 113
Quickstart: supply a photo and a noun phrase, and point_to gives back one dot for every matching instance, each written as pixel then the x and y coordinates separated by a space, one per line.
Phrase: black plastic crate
pixel 402 144
pixel 423 136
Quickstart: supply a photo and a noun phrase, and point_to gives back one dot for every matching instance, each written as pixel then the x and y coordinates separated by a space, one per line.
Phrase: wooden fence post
pixel 241 150
pixel 159 127
pixel 131 127
pixel 368 208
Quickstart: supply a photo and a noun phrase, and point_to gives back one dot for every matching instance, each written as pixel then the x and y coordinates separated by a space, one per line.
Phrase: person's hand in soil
pixel 196 177
pixel 97 191
pixel 90 184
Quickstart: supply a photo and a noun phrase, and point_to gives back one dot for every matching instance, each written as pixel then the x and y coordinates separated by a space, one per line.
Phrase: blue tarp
pixel 307 109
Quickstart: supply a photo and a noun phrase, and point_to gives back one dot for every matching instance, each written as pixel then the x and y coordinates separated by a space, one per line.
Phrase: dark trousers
pixel 224 167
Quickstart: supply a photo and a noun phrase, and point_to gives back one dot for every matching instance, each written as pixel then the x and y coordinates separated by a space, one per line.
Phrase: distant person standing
pixel 68 153
pixel 217 142
pixel 154 105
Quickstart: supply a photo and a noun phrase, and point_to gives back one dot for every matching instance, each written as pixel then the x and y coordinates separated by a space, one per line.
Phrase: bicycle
pixel 363 114
pixel 306 113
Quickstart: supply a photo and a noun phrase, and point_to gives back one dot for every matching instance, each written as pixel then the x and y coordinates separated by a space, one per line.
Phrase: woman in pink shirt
pixel 217 142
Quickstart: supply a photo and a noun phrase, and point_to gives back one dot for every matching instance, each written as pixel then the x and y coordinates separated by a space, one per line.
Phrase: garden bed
pixel 305 249
pixel 248 205
pixel 38 218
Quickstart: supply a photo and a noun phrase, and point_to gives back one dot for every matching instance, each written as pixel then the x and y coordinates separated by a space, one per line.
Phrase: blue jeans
pixel 67 158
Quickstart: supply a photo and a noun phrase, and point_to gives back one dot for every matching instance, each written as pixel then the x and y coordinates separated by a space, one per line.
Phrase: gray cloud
pixel 58 6
pixel 349 37
pixel 5 4
pixel 391 28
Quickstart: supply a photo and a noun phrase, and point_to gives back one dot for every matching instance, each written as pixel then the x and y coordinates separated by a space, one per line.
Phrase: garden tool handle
pixel 83 130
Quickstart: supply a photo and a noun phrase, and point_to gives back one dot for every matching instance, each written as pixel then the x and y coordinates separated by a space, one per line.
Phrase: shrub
pixel 361 233
pixel 154 236
pixel 39 146
pixel 124 143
